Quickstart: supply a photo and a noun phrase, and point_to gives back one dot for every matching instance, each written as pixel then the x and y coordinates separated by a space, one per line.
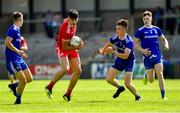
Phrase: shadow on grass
pixel 12 104
pixel 93 101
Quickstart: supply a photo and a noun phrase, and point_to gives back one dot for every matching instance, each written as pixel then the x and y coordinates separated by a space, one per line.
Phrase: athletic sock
pixel 50 85
pixel 162 93
pixel 68 93
pixel 18 96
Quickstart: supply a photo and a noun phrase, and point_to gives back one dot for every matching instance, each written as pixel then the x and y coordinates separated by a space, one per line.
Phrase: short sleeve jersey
pixel 149 38
pixel 127 42
pixel 14 33
pixel 66 32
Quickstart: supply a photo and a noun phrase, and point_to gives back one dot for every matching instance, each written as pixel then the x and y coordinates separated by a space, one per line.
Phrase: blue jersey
pixel 149 40
pixel 14 33
pixel 127 42
pixel 14 62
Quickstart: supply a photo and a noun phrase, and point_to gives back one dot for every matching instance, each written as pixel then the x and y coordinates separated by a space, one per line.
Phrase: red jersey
pixel 66 32
pixel 23 42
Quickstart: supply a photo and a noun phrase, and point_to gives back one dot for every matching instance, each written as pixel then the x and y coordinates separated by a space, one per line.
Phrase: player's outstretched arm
pixel 102 50
pixel 165 42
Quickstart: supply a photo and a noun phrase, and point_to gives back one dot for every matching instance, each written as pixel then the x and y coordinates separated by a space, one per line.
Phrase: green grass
pixel 91 96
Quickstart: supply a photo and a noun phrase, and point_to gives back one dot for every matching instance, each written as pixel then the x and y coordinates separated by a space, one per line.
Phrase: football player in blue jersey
pixel 12 78
pixel 149 37
pixel 124 60
pixel 14 57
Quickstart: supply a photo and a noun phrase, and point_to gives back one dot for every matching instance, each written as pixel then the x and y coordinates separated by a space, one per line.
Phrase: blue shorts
pixel 149 64
pixel 127 65
pixel 14 66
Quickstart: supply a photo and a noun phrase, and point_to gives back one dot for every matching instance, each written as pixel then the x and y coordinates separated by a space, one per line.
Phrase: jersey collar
pixel 16 26
pixel 123 37
pixel 148 27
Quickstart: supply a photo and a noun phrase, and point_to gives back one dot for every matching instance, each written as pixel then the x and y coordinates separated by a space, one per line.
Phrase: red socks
pixel 68 92
pixel 50 85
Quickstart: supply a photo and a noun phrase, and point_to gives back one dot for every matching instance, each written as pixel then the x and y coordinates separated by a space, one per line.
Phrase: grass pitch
pixel 91 96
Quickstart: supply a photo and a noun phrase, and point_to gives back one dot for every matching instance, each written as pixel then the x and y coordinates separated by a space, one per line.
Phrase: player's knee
pixel 65 69
pixel 30 79
pixel 23 80
pixel 78 71
pixel 160 75
pixel 109 80
pixel 127 84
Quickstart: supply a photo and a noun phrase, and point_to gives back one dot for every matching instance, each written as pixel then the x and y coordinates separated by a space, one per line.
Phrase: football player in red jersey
pixel 67 54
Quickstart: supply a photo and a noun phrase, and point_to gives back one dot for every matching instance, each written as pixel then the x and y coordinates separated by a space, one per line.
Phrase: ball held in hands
pixel 75 41
pixel 109 50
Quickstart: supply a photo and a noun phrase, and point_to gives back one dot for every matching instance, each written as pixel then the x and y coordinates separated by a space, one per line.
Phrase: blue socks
pixel 162 93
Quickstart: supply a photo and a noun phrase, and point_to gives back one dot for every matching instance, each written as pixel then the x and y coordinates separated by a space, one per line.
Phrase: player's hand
pixel 146 52
pixel 25 55
pixel 101 51
pixel 81 45
pixel 109 50
pixel 20 52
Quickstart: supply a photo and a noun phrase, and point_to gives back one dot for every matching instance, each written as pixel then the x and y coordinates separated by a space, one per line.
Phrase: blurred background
pixel 42 19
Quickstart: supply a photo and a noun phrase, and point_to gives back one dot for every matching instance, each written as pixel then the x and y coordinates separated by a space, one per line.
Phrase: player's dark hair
pixel 147 13
pixel 17 15
pixel 73 14
pixel 123 23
